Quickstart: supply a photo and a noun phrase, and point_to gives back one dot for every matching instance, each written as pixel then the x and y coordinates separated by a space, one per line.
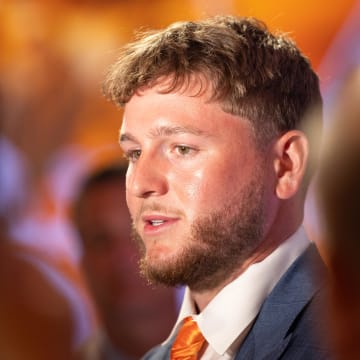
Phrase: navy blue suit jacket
pixel 290 324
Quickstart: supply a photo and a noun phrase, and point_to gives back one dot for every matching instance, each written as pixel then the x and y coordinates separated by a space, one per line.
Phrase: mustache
pixel 156 207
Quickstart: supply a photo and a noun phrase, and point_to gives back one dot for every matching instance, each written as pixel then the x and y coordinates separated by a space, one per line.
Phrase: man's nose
pixel 147 177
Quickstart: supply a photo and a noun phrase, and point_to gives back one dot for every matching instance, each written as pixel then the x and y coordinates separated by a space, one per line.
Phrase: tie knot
pixel 188 342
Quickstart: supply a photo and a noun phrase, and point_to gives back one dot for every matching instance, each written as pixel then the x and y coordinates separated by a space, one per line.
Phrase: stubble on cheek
pixel 216 246
pixel 138 241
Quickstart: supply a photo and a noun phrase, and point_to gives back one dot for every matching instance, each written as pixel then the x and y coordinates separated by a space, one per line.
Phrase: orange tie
pixel 188 342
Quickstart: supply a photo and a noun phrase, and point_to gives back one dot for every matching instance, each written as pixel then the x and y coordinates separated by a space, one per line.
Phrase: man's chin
pixel 159 272
pixel 158 254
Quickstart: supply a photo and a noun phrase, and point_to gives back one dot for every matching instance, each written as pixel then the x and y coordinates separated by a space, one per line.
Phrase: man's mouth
pixel 156 222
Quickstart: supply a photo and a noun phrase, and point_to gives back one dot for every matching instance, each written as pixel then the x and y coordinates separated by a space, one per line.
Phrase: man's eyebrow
pixel 165 130
pixel 168 130
pixel 126 137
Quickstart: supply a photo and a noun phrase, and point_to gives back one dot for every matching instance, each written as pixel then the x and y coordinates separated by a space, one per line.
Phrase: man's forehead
pixel 193 84
pixel 163 130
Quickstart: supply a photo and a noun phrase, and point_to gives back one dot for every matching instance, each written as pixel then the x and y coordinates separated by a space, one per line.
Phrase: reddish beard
pixel 218 244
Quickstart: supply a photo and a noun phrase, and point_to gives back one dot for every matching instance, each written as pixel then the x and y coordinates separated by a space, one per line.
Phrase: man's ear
pixel 290 162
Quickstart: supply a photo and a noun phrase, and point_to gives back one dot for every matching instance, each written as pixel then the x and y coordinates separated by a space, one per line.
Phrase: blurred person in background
pixel 135 316
pixel 338 190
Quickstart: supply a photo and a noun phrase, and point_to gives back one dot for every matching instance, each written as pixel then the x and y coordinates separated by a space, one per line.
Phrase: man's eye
pixel 133 155
pixel 183 149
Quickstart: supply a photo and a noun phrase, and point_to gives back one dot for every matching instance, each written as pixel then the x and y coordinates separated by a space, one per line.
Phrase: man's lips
pixel 156 222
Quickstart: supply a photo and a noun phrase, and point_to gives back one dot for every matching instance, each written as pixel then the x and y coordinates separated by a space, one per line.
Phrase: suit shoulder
pixel 309 334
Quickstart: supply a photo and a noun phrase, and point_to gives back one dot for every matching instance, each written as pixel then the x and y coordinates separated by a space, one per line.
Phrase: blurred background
pixel 55 126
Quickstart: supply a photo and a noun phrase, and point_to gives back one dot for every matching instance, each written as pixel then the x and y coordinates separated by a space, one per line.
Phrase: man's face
pixel 196 187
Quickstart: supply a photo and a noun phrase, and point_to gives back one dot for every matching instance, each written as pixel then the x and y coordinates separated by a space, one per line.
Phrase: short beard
pixel 219 244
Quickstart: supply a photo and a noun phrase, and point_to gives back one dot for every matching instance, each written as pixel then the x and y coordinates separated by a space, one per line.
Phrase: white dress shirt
pixel 226 320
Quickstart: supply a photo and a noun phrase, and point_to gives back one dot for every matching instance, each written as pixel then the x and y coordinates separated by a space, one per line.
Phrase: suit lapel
pixel 161 352
pixel 271 331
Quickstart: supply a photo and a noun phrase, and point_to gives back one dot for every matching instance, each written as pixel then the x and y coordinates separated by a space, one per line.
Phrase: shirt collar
pixel 221 322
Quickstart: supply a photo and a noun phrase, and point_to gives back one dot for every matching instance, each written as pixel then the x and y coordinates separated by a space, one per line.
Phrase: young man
pixel 216 184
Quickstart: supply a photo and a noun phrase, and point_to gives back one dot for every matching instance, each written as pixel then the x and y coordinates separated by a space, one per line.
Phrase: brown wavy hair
pixel 252 72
